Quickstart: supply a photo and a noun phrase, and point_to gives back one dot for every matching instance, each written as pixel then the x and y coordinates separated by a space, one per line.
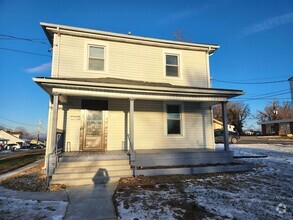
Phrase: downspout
pixel 209 84
pixel 208 67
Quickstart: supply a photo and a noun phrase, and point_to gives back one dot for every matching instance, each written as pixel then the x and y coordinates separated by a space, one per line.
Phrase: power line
pixel 234 82
pixel 262 97
pixel 24 39
pixel 266 94
pixel 266 78
pixel 26 52
pixel 17 122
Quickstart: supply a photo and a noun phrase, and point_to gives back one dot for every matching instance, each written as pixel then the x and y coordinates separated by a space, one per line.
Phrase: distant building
pixel 219 125
pixel 281 127
pixel 11 139
pixel 15 133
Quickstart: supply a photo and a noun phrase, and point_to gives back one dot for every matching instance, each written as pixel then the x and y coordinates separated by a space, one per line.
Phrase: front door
pixel 92 130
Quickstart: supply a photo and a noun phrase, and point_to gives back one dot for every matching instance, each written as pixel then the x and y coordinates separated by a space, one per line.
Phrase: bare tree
pixel 237 113
pixel 24 133
pixel 275 111
pixel 179 36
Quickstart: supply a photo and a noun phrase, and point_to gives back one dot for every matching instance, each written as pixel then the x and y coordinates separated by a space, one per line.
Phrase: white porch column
pixel 131 123
pixel 225 126
pixel 54 123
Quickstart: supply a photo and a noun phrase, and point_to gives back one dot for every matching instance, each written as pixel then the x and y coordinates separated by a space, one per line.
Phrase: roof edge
pixel 40 80
pixel 210 47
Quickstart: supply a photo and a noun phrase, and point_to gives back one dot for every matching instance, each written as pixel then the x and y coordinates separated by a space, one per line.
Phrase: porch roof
pixel 122 88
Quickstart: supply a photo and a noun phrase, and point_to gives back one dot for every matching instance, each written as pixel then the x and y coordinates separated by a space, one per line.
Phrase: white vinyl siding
pixel 149 126
pixel 131 61
pixel 72 124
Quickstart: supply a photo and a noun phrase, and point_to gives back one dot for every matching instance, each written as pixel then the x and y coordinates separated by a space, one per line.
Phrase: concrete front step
pixel 195 170
pixel 98 173
pixel 62 169
pixel 85 181
pixel 90 172
pixel 92 163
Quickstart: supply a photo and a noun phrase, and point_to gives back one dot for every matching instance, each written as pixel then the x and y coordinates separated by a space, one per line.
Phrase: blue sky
pixel 256 40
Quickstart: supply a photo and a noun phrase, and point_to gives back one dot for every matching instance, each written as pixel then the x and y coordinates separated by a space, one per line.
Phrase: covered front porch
pixel 145 120
pixel 149 162
pixel 155 157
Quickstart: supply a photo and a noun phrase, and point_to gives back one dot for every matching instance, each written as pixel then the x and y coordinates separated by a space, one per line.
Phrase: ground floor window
pixel 173 118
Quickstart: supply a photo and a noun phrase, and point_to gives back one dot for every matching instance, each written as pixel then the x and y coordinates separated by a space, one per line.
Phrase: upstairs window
pixel 96 58
pixel 172 65
pixel 173 119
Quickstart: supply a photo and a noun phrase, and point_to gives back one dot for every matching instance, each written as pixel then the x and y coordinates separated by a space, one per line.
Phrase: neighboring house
pixel 117 92
pixel 219 125
pixel 13 140
pixel 281 127
pixel 15 133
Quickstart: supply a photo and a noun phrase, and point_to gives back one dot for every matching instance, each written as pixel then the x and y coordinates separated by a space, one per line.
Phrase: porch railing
pixel 132 156
pixel 55 152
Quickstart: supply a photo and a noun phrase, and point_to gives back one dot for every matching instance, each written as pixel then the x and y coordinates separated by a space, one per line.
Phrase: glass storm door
pixel 92 131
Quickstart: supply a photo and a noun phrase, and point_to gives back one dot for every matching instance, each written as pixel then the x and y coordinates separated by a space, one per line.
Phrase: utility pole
pixel 275 111
pixel 39 130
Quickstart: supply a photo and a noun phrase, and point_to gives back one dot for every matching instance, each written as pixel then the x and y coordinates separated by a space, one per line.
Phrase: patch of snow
pixel 138 206
pixel 11 208
pixel 253 195
pixel 244 196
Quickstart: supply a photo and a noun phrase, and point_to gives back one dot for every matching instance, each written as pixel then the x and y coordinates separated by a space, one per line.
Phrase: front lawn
pixel 265 193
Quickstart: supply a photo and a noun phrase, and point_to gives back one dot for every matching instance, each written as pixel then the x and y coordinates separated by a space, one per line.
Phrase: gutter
pixel 143 88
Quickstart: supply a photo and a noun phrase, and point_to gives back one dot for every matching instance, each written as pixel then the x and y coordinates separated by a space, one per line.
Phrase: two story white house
pixel 148 97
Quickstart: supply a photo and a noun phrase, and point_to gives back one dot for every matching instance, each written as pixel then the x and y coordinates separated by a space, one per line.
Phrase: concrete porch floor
pixel 94 155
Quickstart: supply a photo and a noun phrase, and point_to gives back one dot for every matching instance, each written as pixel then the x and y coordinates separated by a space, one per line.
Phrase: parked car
pixel 219 137
pixel 248 132
pixel 257 133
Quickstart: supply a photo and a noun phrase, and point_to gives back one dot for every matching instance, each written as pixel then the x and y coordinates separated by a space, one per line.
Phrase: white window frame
pixel 182 121
pixel 87 46
pixel 177 53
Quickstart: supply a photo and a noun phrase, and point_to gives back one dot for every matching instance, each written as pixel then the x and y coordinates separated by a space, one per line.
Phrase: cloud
pixel 39 69
pixel 267 24
pixel 181 15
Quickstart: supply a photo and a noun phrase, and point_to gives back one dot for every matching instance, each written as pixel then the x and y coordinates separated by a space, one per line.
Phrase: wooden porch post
pixel 131 122
pixel 54 122
pixel 225 126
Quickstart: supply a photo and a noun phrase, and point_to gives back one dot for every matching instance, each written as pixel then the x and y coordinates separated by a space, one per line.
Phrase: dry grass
pixel 32 179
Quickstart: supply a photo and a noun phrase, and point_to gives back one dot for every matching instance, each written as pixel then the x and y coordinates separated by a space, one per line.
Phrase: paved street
pixel 261 140
pixel 7 154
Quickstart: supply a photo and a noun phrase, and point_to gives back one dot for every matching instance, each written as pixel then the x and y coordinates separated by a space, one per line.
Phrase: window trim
pixel 179 55
pixel 87 46
pixel 182 121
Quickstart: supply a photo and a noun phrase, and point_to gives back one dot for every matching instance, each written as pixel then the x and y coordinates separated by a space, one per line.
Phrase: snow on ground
pixel 11 208
pixel 265 193
pixel 138 207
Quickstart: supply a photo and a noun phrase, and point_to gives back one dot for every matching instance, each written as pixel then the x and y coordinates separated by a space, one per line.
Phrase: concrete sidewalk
pixel 84 202
pixel 91 202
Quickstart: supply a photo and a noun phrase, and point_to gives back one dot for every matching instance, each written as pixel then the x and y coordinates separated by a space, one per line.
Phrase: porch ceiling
pixel 130 89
